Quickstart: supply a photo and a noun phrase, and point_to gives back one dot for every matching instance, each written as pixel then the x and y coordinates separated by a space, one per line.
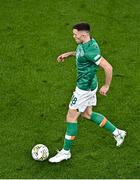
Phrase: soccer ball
pixel 40 152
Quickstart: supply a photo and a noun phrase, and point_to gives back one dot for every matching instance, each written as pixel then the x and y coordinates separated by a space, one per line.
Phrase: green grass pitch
pixel 35 90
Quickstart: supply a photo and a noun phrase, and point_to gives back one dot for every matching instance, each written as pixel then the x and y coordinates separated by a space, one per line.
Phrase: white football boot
pixel 119 137
pixel 60 156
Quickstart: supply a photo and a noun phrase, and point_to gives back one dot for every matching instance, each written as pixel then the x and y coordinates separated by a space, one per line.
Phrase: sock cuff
pixel 68 137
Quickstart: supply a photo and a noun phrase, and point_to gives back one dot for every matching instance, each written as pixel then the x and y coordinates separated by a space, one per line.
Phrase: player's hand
pixel 103 90
pixel 61 58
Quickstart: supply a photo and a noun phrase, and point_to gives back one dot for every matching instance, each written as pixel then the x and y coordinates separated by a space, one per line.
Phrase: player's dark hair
pixel 82 27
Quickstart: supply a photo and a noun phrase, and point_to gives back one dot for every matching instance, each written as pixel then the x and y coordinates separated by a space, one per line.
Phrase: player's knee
pixel 71 119
pixel 72 116
pixel 86 115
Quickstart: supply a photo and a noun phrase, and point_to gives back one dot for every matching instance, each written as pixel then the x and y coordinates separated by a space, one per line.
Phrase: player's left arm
pixel 103 63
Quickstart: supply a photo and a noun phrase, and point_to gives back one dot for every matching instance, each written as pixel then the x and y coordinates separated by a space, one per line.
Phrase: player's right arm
pixel 62 57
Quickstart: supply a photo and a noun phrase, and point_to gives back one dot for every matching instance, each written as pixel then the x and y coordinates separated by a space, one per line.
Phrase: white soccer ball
pixel 40 152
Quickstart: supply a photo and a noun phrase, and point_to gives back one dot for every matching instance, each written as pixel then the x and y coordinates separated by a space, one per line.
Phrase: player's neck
pixel 87 39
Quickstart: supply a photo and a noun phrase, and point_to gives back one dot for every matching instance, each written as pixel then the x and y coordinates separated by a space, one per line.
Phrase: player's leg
pixel 71 132
pixel 71 129
pixel 99 119
pixel 103 122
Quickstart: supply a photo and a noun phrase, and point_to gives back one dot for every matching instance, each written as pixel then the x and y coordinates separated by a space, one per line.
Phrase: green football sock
pixel 101 120
pixel 71 132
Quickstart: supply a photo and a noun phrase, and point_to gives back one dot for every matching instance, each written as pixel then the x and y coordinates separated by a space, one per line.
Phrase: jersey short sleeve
pixel 92 53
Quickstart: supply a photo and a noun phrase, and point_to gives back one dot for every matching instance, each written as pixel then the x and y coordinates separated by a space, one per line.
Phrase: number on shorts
pixel 73 101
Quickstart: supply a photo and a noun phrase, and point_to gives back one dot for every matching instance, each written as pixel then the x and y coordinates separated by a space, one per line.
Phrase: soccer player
pixel 88 59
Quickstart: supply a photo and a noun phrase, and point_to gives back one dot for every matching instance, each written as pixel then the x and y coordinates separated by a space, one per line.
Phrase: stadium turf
pixel 35 90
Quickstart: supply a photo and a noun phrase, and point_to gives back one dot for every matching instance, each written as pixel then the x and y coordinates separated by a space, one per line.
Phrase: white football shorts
pixel 81 99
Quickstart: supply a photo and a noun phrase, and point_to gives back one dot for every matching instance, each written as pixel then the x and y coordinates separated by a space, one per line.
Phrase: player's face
pixel 78 36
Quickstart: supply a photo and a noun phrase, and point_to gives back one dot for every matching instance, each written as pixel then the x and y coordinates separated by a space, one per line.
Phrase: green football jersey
pixel 87 60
